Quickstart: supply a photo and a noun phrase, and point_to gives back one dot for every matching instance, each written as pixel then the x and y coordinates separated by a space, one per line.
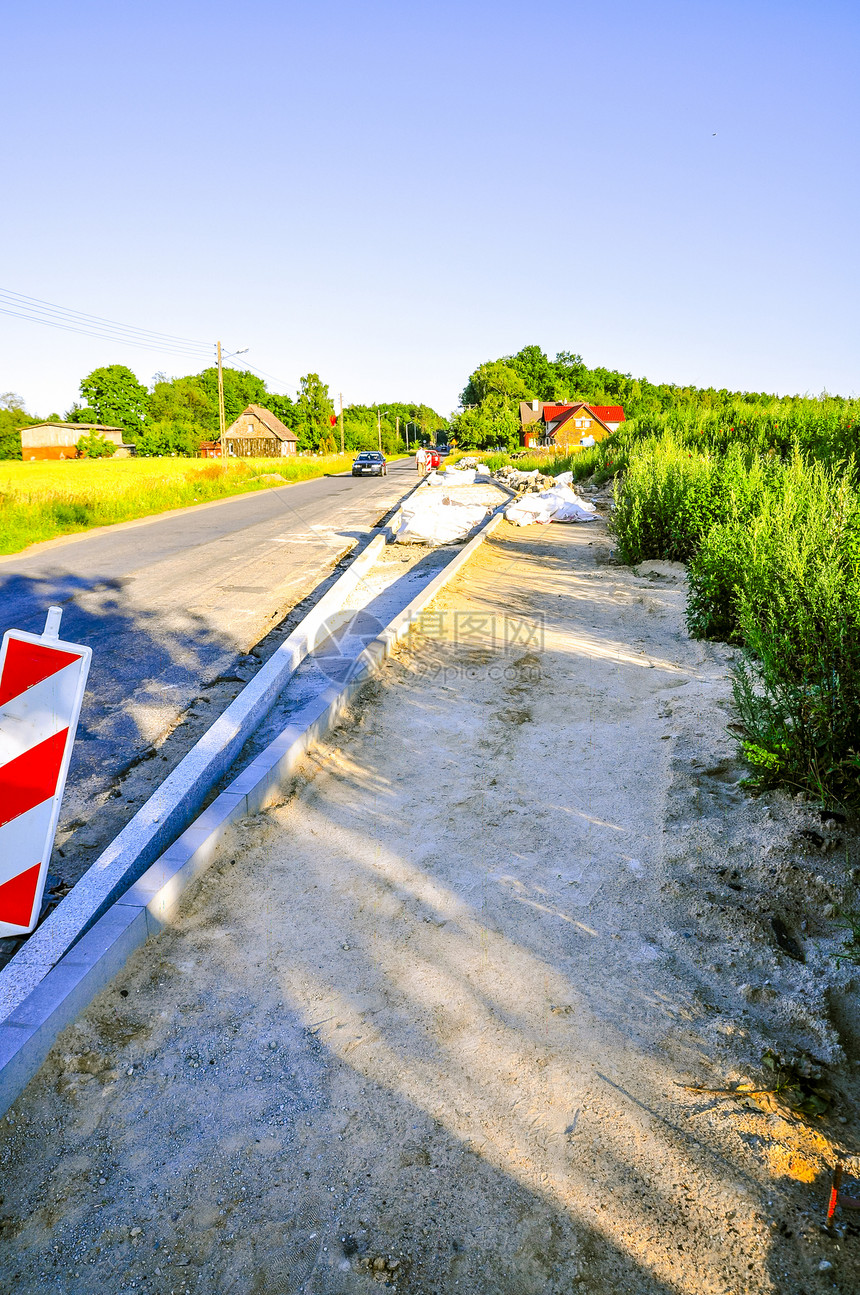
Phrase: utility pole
pixel 221 424
pixel 341 422
pixel 398 431
pixel 379 430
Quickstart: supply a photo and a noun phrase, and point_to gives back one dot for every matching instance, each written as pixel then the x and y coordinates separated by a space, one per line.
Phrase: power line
pixel 37 311
pixel 75 321
pixel 272 378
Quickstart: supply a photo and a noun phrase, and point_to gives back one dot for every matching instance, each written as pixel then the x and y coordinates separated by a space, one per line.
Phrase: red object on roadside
pixel 332 418
pixel 42 682
pixel 434 458
pixel 837 1197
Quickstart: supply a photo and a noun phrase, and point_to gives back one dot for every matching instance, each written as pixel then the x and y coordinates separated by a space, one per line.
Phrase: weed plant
pixel 773 546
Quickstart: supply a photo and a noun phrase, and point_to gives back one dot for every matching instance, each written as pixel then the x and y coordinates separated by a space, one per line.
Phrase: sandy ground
pixel 428 1024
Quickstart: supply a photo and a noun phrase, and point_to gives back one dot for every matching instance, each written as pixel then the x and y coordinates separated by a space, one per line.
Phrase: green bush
pixel 798 688
pixel 665 504
pixel 170 438
pixel 95 446
pixel 773 547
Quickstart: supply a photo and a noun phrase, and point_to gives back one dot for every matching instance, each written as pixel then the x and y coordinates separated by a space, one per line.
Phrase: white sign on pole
pixel 42 683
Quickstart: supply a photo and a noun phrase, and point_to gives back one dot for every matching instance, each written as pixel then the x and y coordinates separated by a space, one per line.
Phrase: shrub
pixel 798 688
pixel 95 446
pixel 170 438
pixel 665 503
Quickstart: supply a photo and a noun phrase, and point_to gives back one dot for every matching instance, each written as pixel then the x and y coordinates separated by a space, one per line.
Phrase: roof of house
pixel 609 413
pixel 268 419
pixel 569 411
pixel 551 412
pixel 85 427
pixel 528 414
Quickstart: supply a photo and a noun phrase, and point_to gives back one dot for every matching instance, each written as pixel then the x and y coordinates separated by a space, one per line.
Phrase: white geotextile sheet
pixel 459 476
pixel 433 518
pixel 558 504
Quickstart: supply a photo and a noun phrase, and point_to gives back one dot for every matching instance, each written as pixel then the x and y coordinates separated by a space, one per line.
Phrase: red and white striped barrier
pixel 42 684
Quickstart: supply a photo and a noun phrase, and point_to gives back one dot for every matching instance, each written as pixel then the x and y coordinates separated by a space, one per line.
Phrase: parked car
pixel 370 463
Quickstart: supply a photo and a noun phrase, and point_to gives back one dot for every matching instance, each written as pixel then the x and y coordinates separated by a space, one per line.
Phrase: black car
pixel 370 463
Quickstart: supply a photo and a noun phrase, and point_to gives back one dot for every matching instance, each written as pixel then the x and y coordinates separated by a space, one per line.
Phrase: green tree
pixel 12 419
pixel 117 398
pixel 282 407
pixel 81 414
pixel 95 446
pixel 170 438
pixel 496 378
pixel 313 411
pixel 183 400
pixel 241 388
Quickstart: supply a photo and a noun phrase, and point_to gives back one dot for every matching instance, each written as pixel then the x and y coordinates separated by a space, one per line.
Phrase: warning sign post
pixel 42 683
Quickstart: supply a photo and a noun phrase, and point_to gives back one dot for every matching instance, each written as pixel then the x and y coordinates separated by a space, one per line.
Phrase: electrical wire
pixel 37 311
pixel 272 378
pixel 75 321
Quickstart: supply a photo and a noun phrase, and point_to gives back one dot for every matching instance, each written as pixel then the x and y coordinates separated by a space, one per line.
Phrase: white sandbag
pixel 560 504
pixel 431 518
pixel 564 479
pixel 459 476
pixel 530 509
pixel 579 510
pixel 587 442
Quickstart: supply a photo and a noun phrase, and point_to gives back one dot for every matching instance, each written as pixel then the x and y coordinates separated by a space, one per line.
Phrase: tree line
pixel 491 397
pixel 174 415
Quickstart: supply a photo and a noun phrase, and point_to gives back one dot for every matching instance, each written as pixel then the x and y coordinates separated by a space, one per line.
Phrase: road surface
pixel 170 605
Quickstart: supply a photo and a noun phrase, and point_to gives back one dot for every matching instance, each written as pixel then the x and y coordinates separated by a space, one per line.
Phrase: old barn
pixel 259 434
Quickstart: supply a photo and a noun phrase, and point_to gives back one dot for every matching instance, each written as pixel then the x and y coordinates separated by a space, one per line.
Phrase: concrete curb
pixel 30 1030
pixel 176 801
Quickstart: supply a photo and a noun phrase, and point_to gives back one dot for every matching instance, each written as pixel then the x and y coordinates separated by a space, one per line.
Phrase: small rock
pixel 130 1070
pixel 825 1266
pixel 135 1232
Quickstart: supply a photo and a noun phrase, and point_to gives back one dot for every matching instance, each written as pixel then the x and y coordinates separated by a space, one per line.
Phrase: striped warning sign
pixel 41 688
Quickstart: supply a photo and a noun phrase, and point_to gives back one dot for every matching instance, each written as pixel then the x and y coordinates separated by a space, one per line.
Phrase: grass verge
pixel 40 501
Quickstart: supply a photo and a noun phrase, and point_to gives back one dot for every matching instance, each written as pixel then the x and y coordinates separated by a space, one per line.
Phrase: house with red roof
pixel 567 426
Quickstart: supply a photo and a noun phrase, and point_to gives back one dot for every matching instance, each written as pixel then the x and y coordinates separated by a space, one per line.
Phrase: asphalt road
pixel 171 604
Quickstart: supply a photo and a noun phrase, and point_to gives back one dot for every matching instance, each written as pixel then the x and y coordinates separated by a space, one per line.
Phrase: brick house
pixel 566 425
pixel 59 440
pixel 258 434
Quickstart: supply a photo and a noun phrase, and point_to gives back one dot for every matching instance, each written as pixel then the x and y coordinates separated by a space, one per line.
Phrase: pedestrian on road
pixel 421 460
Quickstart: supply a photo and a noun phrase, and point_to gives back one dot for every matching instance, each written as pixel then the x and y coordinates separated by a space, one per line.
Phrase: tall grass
pixel 40 501
pixel 773 546
pixel 582 463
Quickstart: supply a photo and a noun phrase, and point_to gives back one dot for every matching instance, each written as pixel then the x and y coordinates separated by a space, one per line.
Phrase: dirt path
pixel 424 1026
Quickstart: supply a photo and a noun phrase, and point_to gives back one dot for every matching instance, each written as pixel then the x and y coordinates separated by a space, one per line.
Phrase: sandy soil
pixel 432 1023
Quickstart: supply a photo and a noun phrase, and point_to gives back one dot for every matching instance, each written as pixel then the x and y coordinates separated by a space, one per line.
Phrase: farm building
pixel 58 440
pixel 258 434
pixel 567 426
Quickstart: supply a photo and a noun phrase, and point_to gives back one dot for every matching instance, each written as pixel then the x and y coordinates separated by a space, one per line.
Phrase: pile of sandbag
pixel 459 476
pixel 523 481
pixel 558 504
pixel 429 517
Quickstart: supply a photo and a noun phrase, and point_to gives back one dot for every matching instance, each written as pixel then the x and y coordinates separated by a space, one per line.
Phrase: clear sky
pixel 388 193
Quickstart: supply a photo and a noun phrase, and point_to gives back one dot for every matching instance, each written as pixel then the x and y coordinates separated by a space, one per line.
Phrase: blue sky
pixel 390 193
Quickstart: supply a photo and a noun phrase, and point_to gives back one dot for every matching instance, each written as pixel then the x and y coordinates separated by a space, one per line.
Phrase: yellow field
pixel 39 501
